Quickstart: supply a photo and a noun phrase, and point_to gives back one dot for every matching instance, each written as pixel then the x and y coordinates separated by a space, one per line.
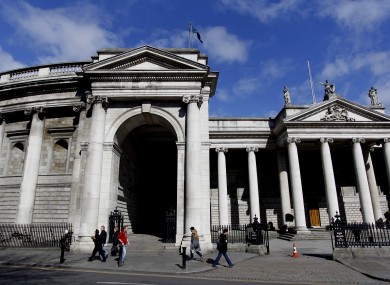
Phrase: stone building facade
pixel 131 129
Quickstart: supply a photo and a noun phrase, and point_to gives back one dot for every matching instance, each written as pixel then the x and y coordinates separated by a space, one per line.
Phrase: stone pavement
pixel 314 264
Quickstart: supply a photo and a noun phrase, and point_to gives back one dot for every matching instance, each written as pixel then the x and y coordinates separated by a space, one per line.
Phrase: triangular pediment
pixel 338 110
pixel 143 59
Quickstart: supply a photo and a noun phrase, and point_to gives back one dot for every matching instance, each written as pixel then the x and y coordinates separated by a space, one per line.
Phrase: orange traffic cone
pixel 295 252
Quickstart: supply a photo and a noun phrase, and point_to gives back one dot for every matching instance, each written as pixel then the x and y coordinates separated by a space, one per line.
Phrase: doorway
pixel 315 220
pixel 148 176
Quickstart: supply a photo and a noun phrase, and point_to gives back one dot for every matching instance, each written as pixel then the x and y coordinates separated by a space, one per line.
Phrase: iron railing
pixel 238 233
pixel 34 235
pixel 359 234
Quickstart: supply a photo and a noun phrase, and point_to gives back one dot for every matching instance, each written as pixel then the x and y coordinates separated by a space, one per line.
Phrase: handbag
pixel 114 250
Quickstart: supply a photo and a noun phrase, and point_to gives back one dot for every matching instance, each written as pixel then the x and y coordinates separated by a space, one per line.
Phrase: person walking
pixel 222 249
pixel 195 246
pixel 114 248
pixel 103 240
pixel 97 248
pixel 122 241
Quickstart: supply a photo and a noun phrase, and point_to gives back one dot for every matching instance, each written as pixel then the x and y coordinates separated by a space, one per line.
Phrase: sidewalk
pixel 136 261
pixel 278 266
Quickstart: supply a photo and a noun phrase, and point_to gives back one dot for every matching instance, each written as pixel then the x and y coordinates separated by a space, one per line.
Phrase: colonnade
pixel 254 201
pixel 291 180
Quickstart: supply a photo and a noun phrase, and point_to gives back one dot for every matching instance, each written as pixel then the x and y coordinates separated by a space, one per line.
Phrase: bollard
pixel 184 257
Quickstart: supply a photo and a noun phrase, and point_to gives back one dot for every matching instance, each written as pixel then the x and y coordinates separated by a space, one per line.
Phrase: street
pixel 33 276
pixel 20 275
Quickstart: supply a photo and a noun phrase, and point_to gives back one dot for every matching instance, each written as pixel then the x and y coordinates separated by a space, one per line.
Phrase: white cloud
pixel 246 86
pixel 220 45
pixel 61 34
pixel 223 95
pixel 7 62
pixel 340 67
pixel 224 47
pixel 265 10
pixel 272 68
pixel 358 14
pixel 378 63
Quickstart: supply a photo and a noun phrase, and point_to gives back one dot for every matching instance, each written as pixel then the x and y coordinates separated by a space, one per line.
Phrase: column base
pixel 186 242
pixel 82 246
pixel 303 231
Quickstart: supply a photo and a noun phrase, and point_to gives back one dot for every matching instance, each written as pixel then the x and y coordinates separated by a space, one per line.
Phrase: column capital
pixel 326 140
pixel 358 140
pixel 193 99
pixel 293 140
pixel 78 107
pixel 93 99
pixel 221 149
pixel 252 148
pixel 32 110
pixel 386 140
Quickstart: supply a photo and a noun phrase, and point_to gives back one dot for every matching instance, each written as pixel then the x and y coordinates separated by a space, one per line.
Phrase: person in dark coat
pixel 103 240
pixel 98 246
pixel 222 249
pixel 114 249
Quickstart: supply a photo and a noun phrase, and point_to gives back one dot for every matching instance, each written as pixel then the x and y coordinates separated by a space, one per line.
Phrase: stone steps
pixel 149 243
pixel 315 234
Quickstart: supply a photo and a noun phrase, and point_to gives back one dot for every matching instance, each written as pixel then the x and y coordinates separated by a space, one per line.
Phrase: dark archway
pixel 148 175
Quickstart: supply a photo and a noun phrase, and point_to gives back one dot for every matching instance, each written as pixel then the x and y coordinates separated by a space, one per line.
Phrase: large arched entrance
pixel 148 178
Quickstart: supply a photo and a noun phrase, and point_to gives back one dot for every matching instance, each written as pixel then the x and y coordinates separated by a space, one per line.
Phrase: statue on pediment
pixel 373 94
pixel 330 90
pixel 286 95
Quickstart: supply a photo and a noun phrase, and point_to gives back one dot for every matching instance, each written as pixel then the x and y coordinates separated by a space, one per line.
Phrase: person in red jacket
pixel 122 241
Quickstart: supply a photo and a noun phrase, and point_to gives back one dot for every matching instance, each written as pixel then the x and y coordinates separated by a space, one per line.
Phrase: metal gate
pixel 115 220
pixel 170 227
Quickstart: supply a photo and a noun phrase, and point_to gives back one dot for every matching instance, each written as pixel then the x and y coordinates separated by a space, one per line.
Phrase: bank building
pixel 130 130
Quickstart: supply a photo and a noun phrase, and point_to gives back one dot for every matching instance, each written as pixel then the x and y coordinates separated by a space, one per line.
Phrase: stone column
pixel 2 130
pixel 376 204
pixel 93 168
pixel 296 184
pixel 193 179
pixel 253 185
pixel 222 187
pixel 361 181
pixel 76 187
pixel 330 184
pixel 28 186
pixel 180 207
pixel 283 184
pixel 386 154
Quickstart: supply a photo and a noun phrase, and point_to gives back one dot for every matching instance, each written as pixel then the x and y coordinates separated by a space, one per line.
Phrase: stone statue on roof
pixel 373 94
pixel 286 95
pixel 330 90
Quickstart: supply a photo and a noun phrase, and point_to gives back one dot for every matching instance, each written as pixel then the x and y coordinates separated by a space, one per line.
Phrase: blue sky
pixel 258 46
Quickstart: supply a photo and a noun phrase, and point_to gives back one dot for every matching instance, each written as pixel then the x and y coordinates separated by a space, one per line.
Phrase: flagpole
pixel 311 84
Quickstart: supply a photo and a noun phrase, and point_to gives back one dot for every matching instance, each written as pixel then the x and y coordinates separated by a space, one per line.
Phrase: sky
pixel 257 46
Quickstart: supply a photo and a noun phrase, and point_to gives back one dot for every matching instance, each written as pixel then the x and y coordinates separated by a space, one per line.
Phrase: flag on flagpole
pixel 195 31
